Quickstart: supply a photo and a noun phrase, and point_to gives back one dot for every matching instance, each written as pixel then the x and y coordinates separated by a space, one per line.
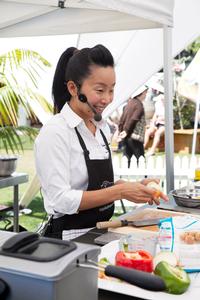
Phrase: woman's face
pixel 98 87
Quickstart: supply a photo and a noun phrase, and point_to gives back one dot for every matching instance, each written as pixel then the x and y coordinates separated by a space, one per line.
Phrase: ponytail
pixel 60 92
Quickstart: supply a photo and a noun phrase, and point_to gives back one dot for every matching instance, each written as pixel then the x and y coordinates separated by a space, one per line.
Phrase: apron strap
pixel 85 150
pixel 106 142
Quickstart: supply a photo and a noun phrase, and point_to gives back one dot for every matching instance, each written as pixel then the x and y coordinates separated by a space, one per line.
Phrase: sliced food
pixel 167 256
pixel 176 279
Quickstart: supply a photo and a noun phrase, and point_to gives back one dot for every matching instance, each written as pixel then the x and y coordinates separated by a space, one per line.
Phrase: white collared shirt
pixel 60 163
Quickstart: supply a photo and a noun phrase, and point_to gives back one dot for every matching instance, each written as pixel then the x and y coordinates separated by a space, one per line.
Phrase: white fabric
pixel 140 53
pixel 60 163
pixel 74 233
pixel 30 18
pixel 159 109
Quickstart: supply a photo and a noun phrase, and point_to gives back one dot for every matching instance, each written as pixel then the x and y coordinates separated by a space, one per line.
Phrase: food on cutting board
pixel 156 187
pixel 139 260
pixel 164 264
pixel 167 256
pixel 103 262
pixel 190 237
pixel 176 279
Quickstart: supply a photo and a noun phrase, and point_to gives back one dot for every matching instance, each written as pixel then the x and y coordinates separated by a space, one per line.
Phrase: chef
pixel 72 153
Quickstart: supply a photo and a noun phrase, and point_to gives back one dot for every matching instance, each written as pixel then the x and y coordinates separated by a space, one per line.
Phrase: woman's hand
pixel 139 193
pixel 159 193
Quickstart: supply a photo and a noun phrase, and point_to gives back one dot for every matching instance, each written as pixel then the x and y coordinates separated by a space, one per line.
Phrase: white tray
pixel 120 287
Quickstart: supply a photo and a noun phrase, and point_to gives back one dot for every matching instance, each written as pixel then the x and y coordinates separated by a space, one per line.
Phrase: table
pixel 14 180
pixel 91 235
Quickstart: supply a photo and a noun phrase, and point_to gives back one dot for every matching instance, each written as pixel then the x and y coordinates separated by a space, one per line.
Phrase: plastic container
pixel 139 241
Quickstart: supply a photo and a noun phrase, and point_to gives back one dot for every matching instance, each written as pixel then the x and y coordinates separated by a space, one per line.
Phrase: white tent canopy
pixel 138 54
pixel 30 18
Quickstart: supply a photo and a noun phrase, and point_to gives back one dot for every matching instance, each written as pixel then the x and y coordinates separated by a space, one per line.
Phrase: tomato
pixel 140 260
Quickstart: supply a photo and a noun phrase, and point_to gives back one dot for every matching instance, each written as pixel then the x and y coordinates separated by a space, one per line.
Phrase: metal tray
pixel 187 197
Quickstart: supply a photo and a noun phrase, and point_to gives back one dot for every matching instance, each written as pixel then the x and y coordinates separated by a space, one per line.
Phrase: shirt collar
pixel 73 120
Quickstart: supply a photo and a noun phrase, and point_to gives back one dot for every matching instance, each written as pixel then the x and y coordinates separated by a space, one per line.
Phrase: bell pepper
pixel 176 279
pixel 139 260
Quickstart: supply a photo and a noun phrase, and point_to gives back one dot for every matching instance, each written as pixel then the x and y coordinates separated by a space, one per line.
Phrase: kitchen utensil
pixel 138 278
pixel 137 241
pixel 8 165
pixel 50 269
pixel 119 223
pixel 34 267
pixel 187 197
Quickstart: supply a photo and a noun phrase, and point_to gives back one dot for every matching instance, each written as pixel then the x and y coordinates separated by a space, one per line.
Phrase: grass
pixel 25 165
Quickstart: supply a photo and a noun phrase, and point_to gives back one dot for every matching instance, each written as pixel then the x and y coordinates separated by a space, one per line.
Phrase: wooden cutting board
pixel 147 213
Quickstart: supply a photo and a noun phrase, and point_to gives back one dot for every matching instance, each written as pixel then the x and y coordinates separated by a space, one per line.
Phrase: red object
pixel 139 260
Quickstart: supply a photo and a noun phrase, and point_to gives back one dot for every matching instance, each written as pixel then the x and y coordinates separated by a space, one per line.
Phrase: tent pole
pixel 169 126
pixel 196 123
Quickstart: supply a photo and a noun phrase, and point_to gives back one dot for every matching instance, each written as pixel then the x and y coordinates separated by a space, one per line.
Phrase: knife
pixel 120 223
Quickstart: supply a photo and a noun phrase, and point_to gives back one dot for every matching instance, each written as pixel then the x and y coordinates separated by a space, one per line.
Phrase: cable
pixel 42 226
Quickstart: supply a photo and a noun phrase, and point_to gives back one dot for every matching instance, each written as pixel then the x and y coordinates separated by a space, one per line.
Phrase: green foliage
pixel 11 138
pixel 186 113
pixel 20 72
pixel 194 47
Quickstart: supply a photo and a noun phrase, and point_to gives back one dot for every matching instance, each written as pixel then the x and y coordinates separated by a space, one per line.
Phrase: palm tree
pixel 20 71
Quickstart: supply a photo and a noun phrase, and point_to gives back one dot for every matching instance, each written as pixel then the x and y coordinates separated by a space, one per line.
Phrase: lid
pixel 31 246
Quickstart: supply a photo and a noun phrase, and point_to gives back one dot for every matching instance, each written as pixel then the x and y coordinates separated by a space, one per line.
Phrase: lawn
pixel 25 165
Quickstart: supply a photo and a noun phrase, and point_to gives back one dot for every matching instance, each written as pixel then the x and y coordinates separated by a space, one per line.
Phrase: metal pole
pixel 196 122
pixel 16 208
pixel 169 118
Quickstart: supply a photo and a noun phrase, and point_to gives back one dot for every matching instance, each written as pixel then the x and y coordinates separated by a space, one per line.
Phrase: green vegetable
pixel 176 279
pixel 104 261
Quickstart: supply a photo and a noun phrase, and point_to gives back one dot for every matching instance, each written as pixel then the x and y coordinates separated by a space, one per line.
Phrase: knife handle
pixel 139 278
pixel 108 224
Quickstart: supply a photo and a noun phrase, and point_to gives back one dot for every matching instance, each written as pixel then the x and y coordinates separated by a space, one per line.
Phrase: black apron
pixel 100 175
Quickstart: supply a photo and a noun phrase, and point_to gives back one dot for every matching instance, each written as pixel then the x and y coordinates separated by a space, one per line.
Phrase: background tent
pixel 138 53
pixel 45 17
pixel 189 87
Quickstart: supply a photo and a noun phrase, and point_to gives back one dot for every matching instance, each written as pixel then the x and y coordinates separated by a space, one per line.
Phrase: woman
pixel 132 126
pixel 73 158
pixel 156 129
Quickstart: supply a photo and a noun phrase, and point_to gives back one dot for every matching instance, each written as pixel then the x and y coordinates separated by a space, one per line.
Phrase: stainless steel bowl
pixel 187 197
pixel 8 165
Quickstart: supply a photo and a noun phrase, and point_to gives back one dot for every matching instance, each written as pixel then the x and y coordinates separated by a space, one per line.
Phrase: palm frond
pixel 11 138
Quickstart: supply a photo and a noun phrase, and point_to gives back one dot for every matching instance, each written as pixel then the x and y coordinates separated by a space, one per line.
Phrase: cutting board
pixel 147 213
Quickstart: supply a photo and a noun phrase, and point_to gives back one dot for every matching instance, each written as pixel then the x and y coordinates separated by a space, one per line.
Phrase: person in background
pixel 132 126
pixel 72 153
pixel 156 128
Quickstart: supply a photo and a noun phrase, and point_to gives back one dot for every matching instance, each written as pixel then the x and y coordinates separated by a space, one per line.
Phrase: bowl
pixel 187 197
pixel 8 165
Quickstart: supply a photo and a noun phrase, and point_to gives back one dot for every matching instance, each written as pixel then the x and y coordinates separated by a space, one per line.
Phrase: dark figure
pixel 132 126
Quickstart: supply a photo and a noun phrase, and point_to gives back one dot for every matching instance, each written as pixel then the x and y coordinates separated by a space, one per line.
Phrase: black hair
pixel 76 65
